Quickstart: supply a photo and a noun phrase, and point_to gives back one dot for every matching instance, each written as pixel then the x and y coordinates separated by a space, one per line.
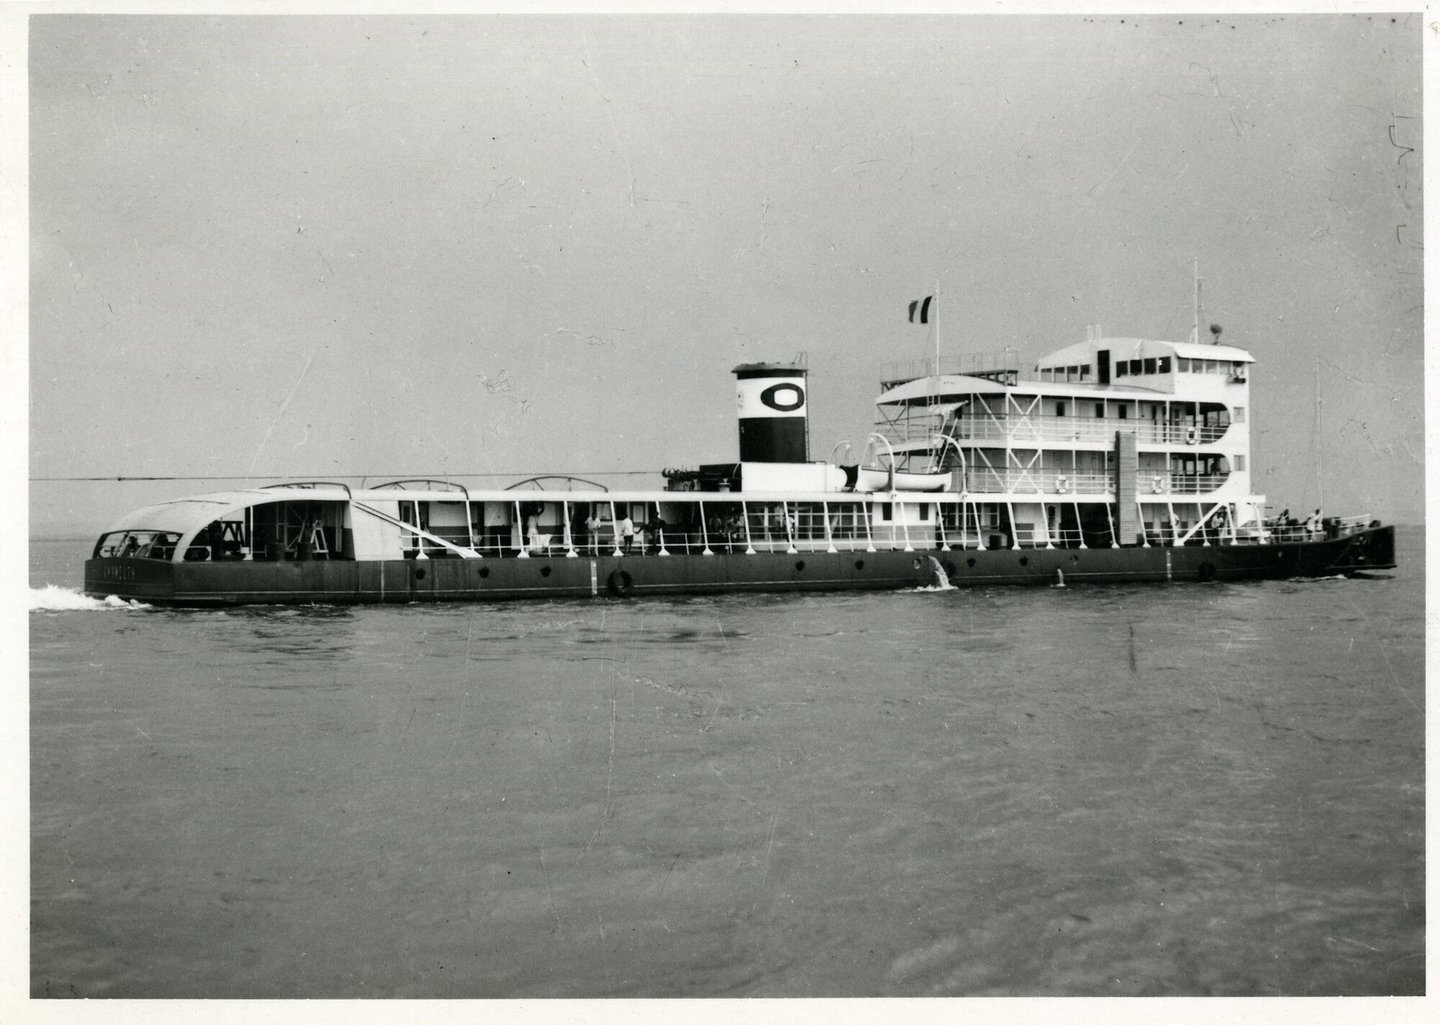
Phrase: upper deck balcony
pixel 1035 430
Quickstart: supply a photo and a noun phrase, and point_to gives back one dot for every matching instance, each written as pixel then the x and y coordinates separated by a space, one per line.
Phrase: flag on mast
pixel 920 310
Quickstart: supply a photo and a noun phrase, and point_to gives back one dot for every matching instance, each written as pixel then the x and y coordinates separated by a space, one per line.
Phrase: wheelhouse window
pixel 1150 366
pixel 1164 364
pixel 136 544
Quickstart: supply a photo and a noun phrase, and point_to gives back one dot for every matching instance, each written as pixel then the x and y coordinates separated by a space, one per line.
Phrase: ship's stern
pixel 1367 549
pixel 134 579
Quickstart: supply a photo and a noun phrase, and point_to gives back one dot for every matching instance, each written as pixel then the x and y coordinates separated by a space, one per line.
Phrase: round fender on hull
pixel 620 583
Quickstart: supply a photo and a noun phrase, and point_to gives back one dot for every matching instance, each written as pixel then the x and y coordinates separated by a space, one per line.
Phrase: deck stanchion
pixel 524 552
pixel 660 531
pixel 615 530
pixel 419 541
pixel 1014 530
pixel 745 518
pixel 829 539
pixel 704 534
pixel 789 534
pixel 1079 528
pixel 569 536
pixel 940 525
pixel 869 534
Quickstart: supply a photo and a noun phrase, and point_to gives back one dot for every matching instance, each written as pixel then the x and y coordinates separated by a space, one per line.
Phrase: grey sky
pixel 418 245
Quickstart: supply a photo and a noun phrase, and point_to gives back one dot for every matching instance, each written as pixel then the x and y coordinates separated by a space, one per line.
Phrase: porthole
pixel 544 571
pixel 970 562
pixel 419 574
pixel 1024 560
pixel 859 563
pixel 1074 558
pixel 484 572
pixel 799 565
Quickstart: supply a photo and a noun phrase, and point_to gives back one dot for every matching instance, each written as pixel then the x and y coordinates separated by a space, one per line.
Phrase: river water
pixel 1198 789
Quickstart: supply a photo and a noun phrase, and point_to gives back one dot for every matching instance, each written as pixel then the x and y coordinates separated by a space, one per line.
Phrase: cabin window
pixel 1240 464
pixel 1164 364
pixel 1238 415
pixel 1136 366
pixel 1182 363
pixel 1122 369
pixel 1084 371
pixel 924 513
pixel 1059 409
pixel 1074 374
pixel 1124 412
pixel 887 511
pixel 1099 410
pixel 1150 366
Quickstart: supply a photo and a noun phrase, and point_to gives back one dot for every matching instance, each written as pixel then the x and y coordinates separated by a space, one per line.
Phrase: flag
pixel 920 310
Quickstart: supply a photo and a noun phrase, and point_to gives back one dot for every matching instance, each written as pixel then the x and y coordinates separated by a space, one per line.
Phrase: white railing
pixel 1080 429
pixel 984 480
pixel 1000 361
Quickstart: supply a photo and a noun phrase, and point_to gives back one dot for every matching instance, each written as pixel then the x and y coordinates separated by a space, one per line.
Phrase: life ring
pixel 1158 484
pixel 620 584
pixel 1062 483
pixel 1192 436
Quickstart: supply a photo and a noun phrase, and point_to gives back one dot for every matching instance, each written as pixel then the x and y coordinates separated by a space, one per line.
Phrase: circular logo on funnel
pixel 784 397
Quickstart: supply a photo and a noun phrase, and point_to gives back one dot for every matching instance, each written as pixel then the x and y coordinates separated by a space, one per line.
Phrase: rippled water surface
pixel 1193 789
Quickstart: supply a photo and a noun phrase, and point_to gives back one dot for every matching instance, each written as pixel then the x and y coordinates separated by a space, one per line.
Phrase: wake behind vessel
pixel 1116 459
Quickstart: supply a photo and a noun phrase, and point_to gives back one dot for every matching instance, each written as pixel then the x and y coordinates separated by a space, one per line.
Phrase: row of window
pixel 1150 365
pixel 1121 411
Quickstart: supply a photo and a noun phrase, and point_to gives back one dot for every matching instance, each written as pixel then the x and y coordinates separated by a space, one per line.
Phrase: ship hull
pixel 339 582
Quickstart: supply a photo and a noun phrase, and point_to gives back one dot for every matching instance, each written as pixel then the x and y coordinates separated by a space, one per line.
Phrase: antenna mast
pixel 1195 327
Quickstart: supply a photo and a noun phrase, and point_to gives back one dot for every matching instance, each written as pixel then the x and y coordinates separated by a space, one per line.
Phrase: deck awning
pixel 186 515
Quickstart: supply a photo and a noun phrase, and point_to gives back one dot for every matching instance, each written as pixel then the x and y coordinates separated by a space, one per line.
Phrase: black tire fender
pixel 620 583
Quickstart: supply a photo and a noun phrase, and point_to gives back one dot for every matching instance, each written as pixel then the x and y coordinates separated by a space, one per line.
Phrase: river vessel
pixel 1114 459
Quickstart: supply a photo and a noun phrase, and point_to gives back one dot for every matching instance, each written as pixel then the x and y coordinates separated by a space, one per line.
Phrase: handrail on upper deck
pixel 308 484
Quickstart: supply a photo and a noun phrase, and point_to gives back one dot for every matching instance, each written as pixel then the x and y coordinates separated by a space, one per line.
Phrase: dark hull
pixel 433 580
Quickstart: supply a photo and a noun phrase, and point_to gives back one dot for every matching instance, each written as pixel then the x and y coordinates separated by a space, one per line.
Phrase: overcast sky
pixel 411 246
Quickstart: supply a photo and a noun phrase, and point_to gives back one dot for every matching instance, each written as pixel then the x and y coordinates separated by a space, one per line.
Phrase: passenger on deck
pixel 627 534
pixel 129 546
pixel 592 533
pixel 1314 527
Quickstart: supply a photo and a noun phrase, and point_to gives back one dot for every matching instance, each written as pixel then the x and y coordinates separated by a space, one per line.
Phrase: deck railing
pixel 983 480
pixel 1030 430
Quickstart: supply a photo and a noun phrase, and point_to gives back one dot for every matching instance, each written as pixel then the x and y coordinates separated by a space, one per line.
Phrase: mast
pixel 1195 325
pixel 937 328
pixel 1319 441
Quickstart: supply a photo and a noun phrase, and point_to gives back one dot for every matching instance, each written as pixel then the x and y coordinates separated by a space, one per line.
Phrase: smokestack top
pixel 745 370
